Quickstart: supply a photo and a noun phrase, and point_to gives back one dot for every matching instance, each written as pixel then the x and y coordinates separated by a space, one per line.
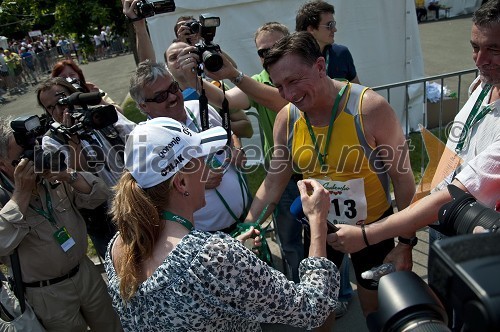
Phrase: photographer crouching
pixel 39 219
pixel 90 137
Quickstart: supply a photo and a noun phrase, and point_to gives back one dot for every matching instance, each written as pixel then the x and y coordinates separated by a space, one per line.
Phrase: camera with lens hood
pixel 28 132
pixel 463 292
pixel 86 118
pixel 209 52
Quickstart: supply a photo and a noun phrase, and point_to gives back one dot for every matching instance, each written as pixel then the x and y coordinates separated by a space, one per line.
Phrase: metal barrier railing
pixel 446 107
pixel 451 80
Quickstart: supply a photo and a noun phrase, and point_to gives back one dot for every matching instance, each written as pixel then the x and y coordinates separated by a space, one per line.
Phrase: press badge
pixel 64 239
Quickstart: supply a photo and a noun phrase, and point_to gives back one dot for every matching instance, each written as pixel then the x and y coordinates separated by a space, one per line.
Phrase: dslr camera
pixel 208 52
pixel 146 8
pixel 86 118
pixel 28 133
pixel 463 293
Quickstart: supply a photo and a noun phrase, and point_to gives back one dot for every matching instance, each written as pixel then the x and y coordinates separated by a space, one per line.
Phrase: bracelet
pixel 364 235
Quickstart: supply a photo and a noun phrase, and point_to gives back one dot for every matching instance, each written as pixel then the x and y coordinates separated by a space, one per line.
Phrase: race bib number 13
pixel 347 201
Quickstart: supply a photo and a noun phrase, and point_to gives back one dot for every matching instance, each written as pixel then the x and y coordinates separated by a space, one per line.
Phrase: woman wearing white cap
pixel 166 276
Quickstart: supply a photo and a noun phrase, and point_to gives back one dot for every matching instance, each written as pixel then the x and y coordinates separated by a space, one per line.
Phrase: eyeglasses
pixel 330 26
pixel 263 52
pixel 160 98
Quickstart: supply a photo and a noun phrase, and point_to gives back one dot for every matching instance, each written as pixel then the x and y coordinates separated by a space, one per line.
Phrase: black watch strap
pixel 411 241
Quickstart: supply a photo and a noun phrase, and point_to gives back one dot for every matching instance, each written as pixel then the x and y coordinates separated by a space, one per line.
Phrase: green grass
pixel 415 144
pixel 131 111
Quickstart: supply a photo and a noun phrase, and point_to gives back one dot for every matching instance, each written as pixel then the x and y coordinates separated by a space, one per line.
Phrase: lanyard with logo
pixel 243 187
pixel 167 215
pixel 322 156
pixel 61 235
pixel 474 116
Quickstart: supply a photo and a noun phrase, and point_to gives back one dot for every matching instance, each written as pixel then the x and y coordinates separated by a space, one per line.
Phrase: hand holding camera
pixel 189 32
pixel 24 176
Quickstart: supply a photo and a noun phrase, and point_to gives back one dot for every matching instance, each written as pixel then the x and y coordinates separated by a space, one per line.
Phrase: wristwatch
pixel 412 242
pixel 73 176
pixel 237 79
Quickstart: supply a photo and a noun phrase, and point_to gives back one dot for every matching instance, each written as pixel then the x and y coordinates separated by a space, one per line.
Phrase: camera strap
pixel 226 122
pixel 203 100
pixel 224 112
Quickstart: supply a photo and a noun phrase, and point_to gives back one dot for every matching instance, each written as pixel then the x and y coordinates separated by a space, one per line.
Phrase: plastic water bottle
pixel 379 271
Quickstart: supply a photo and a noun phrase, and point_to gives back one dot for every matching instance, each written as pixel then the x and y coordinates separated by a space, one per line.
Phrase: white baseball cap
pixel 158 148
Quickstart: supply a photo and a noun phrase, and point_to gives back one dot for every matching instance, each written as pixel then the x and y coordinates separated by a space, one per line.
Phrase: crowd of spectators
pixel 25 62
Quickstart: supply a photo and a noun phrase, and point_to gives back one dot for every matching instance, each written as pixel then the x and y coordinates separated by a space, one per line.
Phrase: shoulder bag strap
pixel 17 281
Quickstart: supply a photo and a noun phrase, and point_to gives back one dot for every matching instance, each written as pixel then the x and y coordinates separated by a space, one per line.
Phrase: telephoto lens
pixel 463 213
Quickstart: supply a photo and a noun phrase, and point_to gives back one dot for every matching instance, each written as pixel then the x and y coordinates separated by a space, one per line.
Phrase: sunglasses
pixel 263 52
pixel 330 26
pixel 160 98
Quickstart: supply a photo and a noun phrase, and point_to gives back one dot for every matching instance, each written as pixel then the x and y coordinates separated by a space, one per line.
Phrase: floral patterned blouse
pixel 210 282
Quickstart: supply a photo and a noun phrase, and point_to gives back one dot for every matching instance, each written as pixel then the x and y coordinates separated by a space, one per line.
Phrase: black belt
pixel 53 281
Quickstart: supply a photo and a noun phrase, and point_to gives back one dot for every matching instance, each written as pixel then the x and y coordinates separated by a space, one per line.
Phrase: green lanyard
pixel 243 189
pixel 178 219
pixel 240 179
pixel 264 252
pixel 474 117
pixel 191 115
pixel 322 156
pixel 49 216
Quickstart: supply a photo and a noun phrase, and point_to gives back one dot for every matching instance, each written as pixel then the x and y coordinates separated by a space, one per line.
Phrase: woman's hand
pixel 251 239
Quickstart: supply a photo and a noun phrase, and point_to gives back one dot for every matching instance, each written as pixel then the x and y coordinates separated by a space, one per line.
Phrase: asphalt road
pixel 445 46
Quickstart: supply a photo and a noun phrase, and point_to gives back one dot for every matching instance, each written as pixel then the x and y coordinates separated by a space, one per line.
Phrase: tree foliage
pixel 80 19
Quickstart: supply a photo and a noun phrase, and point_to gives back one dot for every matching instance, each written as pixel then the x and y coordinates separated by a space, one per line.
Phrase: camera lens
pixel 194 26
pixel 213 61
pixel 464 213
pixel 406 303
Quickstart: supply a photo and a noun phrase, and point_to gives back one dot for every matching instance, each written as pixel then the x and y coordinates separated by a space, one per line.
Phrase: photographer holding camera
pixel 87 143
pixel 39 219
pixel 472 151
pixel 188 30
pixel 240 123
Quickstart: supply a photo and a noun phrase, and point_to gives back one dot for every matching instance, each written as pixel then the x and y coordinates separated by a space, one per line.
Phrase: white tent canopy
pixel 382 36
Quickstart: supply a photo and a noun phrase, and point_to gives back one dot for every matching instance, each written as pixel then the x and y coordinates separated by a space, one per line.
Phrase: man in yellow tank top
pixel 348 138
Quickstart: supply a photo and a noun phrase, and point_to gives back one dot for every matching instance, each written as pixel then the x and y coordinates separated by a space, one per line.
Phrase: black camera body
pixel 193 26
pixel 463 276
pixel 28 132
pixel 209 52
pixel 146 8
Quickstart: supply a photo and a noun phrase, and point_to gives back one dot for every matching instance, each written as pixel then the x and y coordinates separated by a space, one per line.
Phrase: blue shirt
pixel 340 62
